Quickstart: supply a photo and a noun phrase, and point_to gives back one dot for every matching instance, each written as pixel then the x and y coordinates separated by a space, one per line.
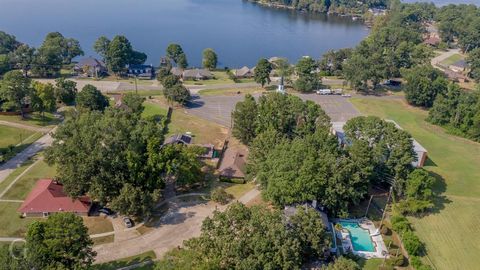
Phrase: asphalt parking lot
pixel 218 108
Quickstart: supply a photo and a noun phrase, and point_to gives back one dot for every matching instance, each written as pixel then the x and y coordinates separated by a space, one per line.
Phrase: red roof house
pixel 48 197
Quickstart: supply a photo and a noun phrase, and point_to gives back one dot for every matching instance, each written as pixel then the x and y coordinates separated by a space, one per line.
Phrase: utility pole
pixel 385 209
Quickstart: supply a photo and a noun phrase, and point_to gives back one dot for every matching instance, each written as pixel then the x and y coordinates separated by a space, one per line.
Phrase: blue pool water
pixel 361 239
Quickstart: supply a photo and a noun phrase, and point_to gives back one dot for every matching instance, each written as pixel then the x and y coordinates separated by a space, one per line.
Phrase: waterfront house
pixel 141 71
pixel 90 67
pixel 48 197
pixel 244 72
pixel 197 74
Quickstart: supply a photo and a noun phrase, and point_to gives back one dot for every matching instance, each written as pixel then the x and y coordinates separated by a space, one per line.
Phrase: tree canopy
pixel 175 53
pixel 424 83
pixel 210 59
pixel 91 98
pixel 120 53
pixel 15 89
pixel 262 72
pixel 252 238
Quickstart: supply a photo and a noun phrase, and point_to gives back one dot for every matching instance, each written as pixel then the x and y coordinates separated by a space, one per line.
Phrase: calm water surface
pixel 239 31
pixel 446 2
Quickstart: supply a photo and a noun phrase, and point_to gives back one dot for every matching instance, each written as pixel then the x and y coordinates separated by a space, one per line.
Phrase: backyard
pixel 451 231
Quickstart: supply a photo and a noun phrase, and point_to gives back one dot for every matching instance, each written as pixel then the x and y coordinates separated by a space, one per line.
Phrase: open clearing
pixel 451 232
pixel 147 256
pixel 452 59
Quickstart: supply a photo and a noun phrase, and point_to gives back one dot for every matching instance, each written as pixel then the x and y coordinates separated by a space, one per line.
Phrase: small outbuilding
pixel 178 139
pixel 244 72
pixel 197 74
pixel 233 165
pixel 48 197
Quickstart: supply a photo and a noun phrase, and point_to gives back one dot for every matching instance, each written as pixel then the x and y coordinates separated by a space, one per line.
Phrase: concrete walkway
pixel 8 167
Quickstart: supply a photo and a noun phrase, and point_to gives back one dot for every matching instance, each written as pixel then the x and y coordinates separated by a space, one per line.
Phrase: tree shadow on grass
pixel 440 200
pixel 430 163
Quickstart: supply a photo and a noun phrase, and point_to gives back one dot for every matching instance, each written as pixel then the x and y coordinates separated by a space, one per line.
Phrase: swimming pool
pixel 360 237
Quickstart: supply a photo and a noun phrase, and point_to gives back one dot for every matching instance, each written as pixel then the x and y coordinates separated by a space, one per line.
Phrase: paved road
pixel 7 168
pixel 182 221
pixel 112 86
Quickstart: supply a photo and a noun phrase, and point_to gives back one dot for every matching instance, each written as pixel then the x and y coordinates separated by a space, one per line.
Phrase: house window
pixel 46 214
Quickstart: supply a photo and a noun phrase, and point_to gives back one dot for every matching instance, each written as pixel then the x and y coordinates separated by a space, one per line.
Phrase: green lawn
pixel 147 256
pixel 11 225
pixel 452 59
pixel 13 136
pixel 98 224
pixel 22 187
pixel 451 232
pixel 152 109
pixel 33 119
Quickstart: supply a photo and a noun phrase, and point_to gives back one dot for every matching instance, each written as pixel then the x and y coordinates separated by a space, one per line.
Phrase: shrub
pixel 385 230
pixel 400 224
pixel 396 261
pixel 220 196
pixel 417 263
pixel 411 243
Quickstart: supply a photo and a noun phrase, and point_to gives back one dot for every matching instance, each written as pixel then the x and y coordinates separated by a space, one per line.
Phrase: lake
pixel 446 2
pixel 239 31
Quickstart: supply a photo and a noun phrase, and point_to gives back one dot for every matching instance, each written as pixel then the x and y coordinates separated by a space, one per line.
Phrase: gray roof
pixel 176 71
pixel 460 63
pixel 178 138
pixel 291 210
pixel 90 62
pixel 243 71
pixel 197 73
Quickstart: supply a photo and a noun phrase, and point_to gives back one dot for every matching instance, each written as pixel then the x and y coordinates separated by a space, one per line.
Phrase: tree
pixel 98 153
pixel 418 192
pixel 245 238
pixel 424 83
pixel 177 93
pixel 210 59
pixel 23 58
pixel 4 64
pixel 342 263
pixel 169 81
pixel 133 201
pixel 175 53
pixel 15 90
pixel 45 94
pixel 8 43
pixel 283 68
pixel 182 61
pixel 262 72
pixel 91 98
pixel 244 119
pixel 134 102
pixel 118 54
pixel 473 59
pixel 101 46
pixel 220 196
pixel 391 149
pixel 312 168
pixel 59 242
pixel 260 148
pixel 65 91
pixel 162 73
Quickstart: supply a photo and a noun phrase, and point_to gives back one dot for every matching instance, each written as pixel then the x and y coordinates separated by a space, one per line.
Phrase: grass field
pixel 33 119
pixel 152 109
pixel 98 225
pixel 23 185
pixel 13 136
pixel 147 256
pixel 11 225
pixel 452 59
pixel 451 232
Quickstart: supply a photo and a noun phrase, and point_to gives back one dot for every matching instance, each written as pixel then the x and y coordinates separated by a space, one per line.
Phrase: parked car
pixel 346 95
pixel 127 222
pixel 324 92
pixel 106 211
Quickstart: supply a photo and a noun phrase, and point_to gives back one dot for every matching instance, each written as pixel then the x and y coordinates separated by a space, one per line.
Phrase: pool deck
pixel 380 248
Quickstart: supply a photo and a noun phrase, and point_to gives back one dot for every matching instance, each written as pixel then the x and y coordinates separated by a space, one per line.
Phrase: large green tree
pixel 15 90
pixel 251 238
pixel 423 85
pixel 177 93
pixel 175 53
pixel 262 72
pixel 101 46
pixel 473 59
pixel 45 97
pixel 91 98
pixel 118 54
pixel 65 91
pixel 307 80
pixel 23 58
pixel 389 149
pixel 59 242
pixel 8 43
pixel 244 117
pixel 210 59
